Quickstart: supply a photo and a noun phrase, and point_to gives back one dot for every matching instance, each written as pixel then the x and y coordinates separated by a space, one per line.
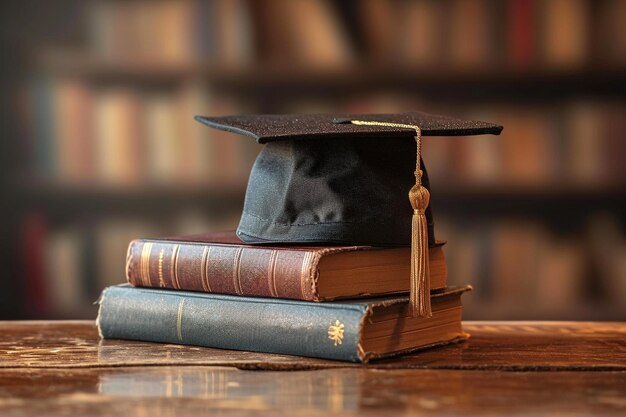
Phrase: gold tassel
pixel 420 276
pixel 419 198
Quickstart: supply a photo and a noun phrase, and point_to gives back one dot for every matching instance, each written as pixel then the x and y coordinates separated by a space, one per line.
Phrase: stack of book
pixel 326 250
pixel 336 302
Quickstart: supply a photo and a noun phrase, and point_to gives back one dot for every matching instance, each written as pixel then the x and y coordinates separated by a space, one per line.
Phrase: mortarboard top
pixel 276 127
pixel 321 179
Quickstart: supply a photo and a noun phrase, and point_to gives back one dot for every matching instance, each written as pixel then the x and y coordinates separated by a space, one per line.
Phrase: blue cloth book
pixel 356 331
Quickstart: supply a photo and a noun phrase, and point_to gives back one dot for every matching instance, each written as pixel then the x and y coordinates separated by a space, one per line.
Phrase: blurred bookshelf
pixel 535 218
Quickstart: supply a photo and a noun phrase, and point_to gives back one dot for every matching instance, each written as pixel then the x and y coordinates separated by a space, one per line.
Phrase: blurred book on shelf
pixel 425 34
pixel 319 41
pixel 565 31
pixel 125 137
pixel 520 270
pixel 67 266
pixel 478 34
pixel 187 29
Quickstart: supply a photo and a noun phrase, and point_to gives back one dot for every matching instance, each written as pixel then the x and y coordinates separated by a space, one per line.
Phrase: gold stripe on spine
pixel 236 265
pixel 204 269
pixel 271 273
pixel 161 280
pixel 174 267
pixel 179 320
pixel 144 265
pixel 130 255
pixel 304 273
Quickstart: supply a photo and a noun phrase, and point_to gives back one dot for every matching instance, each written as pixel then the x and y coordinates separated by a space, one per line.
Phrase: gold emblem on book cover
pixel 335 332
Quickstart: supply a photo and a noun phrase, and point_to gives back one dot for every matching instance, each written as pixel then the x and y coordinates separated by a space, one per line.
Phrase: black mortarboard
pixel 341 179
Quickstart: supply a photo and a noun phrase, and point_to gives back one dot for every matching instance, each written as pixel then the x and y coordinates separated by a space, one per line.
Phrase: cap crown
pixel 318 180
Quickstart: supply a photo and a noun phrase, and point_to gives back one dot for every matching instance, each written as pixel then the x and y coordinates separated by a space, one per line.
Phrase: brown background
pixel 99 146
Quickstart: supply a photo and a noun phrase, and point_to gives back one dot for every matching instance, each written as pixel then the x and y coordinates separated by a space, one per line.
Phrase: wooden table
pixel 513 368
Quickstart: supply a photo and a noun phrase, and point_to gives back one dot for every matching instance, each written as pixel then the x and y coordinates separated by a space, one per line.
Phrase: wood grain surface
pixel 517 368
pixel 492 346
pixel 194 391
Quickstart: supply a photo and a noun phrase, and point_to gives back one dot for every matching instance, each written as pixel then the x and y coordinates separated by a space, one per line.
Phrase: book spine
pixel 230 322
pixel 235 270
pixel 521 33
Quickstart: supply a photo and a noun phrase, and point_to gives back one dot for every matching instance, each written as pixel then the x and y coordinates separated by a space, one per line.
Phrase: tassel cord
pixel 420 305
pixel 420 282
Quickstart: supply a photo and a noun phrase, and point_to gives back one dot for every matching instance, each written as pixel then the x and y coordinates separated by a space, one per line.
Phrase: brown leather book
pixel 221 263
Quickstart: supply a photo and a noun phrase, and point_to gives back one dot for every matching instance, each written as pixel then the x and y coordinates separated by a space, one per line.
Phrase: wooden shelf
pixel 472 200
pixel 535 202
pixel 149 201
pixel 289 80
pixel 482 83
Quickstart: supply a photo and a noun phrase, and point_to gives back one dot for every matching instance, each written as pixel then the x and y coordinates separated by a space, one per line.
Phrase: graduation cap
pixel 344 179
